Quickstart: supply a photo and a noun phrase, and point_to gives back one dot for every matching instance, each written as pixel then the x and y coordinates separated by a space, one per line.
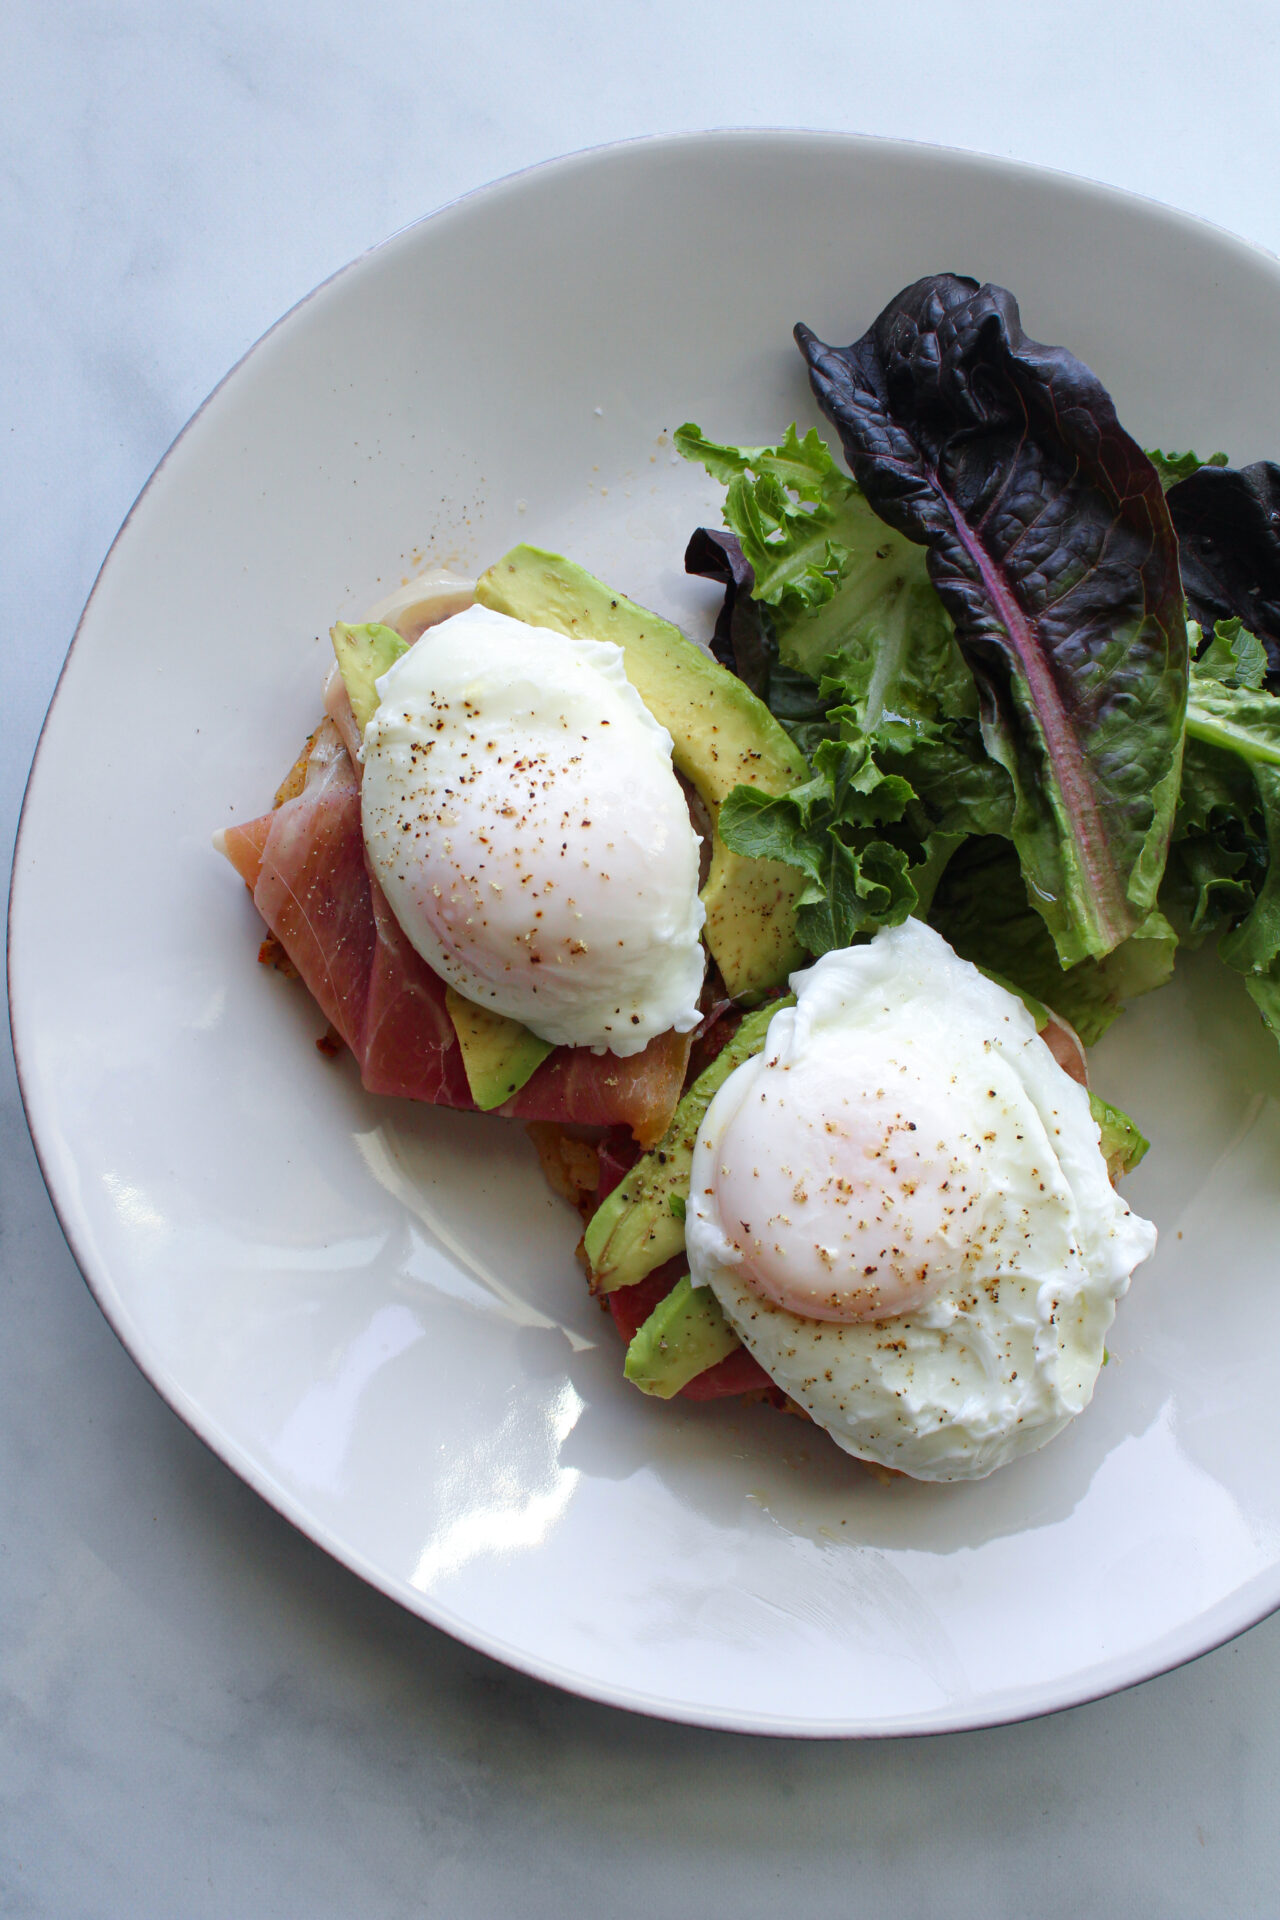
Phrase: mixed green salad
pixel 1033 669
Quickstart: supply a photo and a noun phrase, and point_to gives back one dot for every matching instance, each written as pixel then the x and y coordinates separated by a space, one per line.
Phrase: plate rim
pixel 1231 1616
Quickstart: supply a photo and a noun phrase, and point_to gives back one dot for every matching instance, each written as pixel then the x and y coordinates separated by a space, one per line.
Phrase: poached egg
pixel 902 1206
pixel 522 816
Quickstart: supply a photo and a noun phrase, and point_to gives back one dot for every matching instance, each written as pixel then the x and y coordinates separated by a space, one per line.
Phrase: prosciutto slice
pixel 304 864
pixel 738 1372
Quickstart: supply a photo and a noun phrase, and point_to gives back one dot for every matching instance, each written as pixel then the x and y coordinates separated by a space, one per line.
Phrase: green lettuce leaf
pixel 960 789
pixel 1253 944
pixel 1234 657
pixel 1242 720
pixel 1223 876
pixel 1173 467
pixel 829 827
pixel 792 509
pixel 850 599
pixel 981 908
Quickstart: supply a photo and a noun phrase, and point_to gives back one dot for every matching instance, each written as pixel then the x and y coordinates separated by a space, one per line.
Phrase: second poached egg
pixel 902 1206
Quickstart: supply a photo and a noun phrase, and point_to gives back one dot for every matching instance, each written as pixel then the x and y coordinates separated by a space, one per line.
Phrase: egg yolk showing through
pixel 846 1188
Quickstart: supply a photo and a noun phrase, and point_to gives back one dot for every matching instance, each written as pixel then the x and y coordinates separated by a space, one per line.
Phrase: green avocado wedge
pixel 684 1335
pixel 637 1227
pixel 498 1054
pixel 1122 1145
pixel 364 654
pixel 723 737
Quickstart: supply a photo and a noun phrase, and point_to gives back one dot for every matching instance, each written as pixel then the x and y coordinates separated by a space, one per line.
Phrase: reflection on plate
pixel 372 1311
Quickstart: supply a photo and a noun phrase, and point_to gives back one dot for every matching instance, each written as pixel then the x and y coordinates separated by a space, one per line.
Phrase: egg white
pixel 523 818
pixel 1007 1345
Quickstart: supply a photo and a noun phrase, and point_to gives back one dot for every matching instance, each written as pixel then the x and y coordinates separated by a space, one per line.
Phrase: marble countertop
pixel 201 1713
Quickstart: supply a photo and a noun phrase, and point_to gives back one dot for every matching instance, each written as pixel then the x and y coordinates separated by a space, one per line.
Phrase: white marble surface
pixel 200 1715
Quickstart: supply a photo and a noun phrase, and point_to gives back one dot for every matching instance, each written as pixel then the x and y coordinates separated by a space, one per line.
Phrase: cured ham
pixel 304 864
pixel 738 1372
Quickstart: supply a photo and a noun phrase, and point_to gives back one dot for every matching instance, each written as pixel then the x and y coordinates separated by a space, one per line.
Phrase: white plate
pixel 372 1311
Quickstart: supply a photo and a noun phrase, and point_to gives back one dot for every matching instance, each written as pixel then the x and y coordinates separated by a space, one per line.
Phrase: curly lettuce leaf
pixel 792 510
pixel 960 788
pixel 830 827
pixel 1050 545
pixel 847 598
pixel 1173 467
pixel 1218 856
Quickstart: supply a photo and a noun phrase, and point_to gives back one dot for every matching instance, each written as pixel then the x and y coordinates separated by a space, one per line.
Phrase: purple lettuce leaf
pixel 1228 524
pixel 740 641
pixel 1051 546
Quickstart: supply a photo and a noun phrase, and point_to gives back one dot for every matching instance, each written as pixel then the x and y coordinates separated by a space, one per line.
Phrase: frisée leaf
pixel 845 596
pixel 1173 467
pixel 829 827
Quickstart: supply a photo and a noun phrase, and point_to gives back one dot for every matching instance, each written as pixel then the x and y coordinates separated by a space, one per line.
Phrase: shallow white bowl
pixel 372 1311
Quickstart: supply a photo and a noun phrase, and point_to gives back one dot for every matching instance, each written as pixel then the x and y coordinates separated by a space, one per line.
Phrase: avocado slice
pixel 1122 1144
pixel 723 737
pixel 686 1333
pixel 364 655
pixel 499 1055
pixel 638 1226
